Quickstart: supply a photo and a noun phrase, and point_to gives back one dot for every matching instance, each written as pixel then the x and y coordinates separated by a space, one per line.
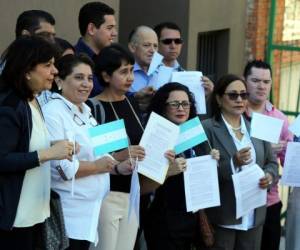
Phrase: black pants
pixel 272 228
pixel 78 245
pixel 171 230
pixel 19 238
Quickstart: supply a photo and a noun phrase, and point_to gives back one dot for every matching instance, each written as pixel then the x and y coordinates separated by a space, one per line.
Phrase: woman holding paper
pixel 67 116
pixel 114 68
pixel 168 225
pixel 25 149
pixel 228 131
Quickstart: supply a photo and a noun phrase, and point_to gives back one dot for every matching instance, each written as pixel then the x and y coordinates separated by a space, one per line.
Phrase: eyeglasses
pixel 177 104
pixel 170 40
pixel 234 96
pixel 80 122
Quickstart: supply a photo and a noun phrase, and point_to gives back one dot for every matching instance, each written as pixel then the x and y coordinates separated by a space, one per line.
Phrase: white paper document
pixel 155 62
pixel 134 196
pixel 265 127
pixel 162 77
pixel 248 194
pixel 192 79
pixel 159 136
pixel 295 126
pixel 201 184
pixel 291 170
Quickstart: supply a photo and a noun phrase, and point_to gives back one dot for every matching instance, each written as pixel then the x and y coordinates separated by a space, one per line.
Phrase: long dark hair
pixel 22 55
pixel 158 102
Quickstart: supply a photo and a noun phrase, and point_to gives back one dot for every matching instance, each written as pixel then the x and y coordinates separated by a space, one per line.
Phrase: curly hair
pixel 158 102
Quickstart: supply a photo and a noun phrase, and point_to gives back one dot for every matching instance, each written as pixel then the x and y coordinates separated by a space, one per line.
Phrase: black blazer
pixel 15 133
pixel 220 139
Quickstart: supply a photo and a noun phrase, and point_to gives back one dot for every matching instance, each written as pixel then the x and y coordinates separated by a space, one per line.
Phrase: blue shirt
pixel 141 79
pixel 82 47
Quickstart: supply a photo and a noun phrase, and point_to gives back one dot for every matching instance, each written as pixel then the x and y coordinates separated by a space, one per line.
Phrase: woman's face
pixel 178 107
pixel 121 79
pixel 41 76
pixel 77 86
pixel 234 100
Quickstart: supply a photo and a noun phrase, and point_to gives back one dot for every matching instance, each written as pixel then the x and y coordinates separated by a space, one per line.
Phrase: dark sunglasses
pixel 234 96
pixel 170 40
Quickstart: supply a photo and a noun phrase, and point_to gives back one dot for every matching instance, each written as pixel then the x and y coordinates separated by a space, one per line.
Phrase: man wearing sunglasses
pixel 258 76
pixel 170 44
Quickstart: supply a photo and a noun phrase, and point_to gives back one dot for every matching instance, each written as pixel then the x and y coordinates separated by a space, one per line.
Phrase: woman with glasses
pixel 168 225
pixel 83 183
pixel 228 132
pixel 25 149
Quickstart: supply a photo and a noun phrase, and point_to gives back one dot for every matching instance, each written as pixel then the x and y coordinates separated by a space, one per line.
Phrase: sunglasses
pixel 170 40
pixel 177 104
pixel 234 96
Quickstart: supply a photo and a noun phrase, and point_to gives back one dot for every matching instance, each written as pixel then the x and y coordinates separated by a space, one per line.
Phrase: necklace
pixel 135 115
pixel 236 129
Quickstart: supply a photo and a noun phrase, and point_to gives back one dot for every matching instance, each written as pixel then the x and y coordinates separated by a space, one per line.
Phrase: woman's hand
pixel 170 155
pixel 105 164
pixel 124 168
pixel 242 157
pixel 215 154
pixel 136 151
pixel 265 181
pixel 59 150
pixel 176 166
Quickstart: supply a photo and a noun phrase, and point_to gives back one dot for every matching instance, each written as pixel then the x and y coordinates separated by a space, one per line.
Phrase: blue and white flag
pixel 191 134
pixel 109 137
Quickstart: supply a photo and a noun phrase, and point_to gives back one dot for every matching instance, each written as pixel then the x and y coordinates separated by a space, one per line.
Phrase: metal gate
pixel 283 53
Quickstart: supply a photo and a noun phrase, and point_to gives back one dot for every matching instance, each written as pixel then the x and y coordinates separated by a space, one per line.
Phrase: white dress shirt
pixel 247 220
pixel 81 211
pixel 33 207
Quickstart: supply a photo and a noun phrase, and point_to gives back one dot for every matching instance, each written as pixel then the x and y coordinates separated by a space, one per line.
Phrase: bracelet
pixel 117 170
pixel 38 156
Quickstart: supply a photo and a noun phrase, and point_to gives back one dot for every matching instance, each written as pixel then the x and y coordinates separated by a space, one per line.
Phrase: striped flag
pixel 109 137
pixel 191 134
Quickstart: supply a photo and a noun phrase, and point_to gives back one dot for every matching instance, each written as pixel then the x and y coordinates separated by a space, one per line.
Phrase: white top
pixel 34 201
pixel 247 220
pixel 81 211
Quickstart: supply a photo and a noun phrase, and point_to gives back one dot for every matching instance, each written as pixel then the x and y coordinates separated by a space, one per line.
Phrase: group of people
pixel 52 93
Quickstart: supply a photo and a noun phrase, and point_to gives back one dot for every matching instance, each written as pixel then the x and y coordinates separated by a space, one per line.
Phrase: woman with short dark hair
pixel 114 68
pixel 25 149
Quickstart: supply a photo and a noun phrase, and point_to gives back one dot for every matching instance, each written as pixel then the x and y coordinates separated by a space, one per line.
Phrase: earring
pixel 59 87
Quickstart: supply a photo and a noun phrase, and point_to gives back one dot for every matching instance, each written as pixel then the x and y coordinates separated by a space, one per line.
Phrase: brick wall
pixel 258 13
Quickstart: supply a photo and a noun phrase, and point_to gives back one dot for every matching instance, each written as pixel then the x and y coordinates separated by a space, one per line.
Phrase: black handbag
pixel 53 233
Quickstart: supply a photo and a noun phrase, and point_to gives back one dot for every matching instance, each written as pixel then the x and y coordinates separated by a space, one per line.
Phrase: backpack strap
pixel 98 110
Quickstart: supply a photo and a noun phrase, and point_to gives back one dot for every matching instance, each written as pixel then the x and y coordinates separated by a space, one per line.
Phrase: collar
pixel 269 106
pixel 71 106
pixel 176 66
pixel 137 67
pixel 82 47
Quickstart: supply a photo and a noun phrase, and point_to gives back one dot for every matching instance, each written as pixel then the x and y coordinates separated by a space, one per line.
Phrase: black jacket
pixel 15 133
